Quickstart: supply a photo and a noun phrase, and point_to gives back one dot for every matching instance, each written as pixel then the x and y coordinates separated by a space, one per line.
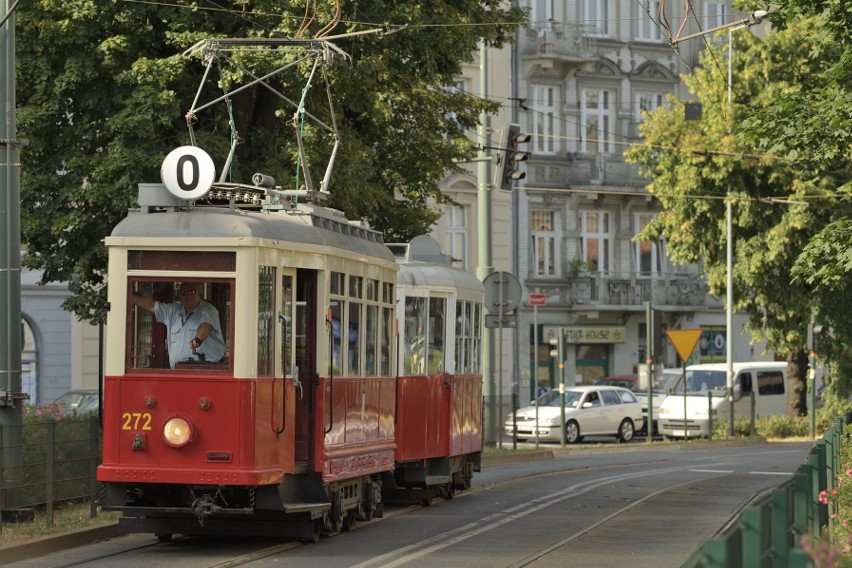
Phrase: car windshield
pixel 552 398
pixel 663 384
pixel 701 382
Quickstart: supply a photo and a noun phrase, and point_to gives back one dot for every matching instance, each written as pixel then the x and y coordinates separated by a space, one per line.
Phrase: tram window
pixel 353 344
pixel 266 321
pixel 336 283
pixel 155 344
pixel 370 336
pixel 372 290
pixel 286 318
pixel 181 260
pixel 356 284
pixel 476 343
pixel 415 328
pixel 387 334
pixel 336 310
pixel 437 317
pixel 462 329
pixel 468 342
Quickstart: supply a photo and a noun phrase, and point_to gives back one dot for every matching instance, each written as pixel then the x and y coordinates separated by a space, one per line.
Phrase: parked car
pixel 627 381
pixel 663 385
pixel 78 402
pixel 594 410
pixel 759 390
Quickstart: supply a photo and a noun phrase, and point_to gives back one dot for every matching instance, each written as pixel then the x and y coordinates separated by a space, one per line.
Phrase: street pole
pixel 729 266
pixel 11 396
pixel 483 232
pixel 535 373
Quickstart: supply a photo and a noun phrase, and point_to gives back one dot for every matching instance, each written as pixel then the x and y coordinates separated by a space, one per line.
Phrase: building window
pixel 29 362
pixel 541 14
pixel 543 243
pixel 596 15
pixel 648 102
pixel 647 23
pixel 459 86
pixel 714 15
pixel 543 113
pixel 649 254
pixel 457 232
pixel 595 121
pixel 596 239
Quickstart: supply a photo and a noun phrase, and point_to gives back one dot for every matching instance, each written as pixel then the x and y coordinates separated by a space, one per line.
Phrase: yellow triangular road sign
pixel 684 341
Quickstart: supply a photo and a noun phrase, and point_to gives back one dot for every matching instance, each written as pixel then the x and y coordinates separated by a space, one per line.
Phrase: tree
pixel 103 88
pixel 812 126
pixel 695 165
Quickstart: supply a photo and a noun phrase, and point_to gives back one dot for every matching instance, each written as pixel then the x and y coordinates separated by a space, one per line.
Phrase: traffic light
pixel 510 156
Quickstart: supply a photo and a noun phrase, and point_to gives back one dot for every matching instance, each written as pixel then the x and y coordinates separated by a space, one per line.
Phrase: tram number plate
pixel 136 421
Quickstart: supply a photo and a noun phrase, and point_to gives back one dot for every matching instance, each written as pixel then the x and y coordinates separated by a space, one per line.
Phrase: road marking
pixel 770 473
pixel 712 470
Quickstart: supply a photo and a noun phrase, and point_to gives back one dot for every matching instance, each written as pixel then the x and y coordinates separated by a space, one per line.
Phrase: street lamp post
pixel 754 19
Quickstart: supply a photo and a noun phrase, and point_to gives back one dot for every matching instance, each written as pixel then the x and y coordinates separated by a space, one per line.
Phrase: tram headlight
pixel 177 432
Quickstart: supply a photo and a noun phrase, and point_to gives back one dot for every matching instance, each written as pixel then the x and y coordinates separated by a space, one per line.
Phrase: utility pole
pixel 10 272
pixel 483 263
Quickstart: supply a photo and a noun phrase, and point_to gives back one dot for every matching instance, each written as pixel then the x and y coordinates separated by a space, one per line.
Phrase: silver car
pixel 589 411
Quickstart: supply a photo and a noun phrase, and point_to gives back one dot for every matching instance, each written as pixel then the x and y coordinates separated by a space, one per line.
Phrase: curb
pixel 518 458
pixel 52 543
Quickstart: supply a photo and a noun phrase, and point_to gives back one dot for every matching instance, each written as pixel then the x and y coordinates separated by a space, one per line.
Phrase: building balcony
pixel 583 170
pixel 557 43
pixel 626 291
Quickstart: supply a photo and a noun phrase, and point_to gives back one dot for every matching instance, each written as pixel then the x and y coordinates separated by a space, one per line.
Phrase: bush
pixel 47 432
pixel 834 548
pixel 780 427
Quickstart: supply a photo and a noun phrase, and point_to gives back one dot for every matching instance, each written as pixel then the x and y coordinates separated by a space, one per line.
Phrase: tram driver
pixel 192 326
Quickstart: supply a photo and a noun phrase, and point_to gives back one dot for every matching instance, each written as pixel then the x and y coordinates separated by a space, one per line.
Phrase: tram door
pixel 305 313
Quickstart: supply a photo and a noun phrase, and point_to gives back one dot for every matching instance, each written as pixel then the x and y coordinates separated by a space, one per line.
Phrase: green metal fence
pixel 46 462
pixel 769 532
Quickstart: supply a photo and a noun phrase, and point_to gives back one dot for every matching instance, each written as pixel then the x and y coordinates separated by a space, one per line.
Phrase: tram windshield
pixel 180 324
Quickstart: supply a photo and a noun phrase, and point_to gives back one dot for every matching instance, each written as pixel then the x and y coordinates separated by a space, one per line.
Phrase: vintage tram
pixel 351 369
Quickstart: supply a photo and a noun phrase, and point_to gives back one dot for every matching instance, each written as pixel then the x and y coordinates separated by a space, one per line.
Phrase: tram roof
pixel 304 226
pixel 434 275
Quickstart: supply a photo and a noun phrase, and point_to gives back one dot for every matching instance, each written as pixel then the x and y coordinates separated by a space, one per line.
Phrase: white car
pixel 663 386
pixel 589 411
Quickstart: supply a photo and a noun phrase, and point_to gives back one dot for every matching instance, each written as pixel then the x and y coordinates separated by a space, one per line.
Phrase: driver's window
pixel 165 316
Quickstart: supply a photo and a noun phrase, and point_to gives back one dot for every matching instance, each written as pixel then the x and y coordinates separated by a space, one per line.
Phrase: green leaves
pixel 103 89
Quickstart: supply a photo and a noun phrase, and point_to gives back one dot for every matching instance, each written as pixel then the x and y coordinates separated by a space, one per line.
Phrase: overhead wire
pixel 661 22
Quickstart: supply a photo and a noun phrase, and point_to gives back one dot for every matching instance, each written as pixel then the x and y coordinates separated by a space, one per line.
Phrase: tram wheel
pixel 316 533
pixel 348 522
pixel 448 491
pixel 164 537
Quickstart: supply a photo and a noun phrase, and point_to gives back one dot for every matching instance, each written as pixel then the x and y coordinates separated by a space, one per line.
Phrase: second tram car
pixel 347 370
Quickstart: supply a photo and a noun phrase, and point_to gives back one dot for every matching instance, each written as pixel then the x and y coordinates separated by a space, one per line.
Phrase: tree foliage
pixel 810 123
pixel 775 196
pixel 103 88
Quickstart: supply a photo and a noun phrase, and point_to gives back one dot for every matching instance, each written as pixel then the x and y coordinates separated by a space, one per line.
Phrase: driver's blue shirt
pixel 182 327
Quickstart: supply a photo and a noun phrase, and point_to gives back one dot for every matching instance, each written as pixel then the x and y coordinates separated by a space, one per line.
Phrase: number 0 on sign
pixel 188 172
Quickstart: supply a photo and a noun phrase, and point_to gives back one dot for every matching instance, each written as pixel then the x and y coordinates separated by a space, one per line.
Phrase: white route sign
pixel 188 172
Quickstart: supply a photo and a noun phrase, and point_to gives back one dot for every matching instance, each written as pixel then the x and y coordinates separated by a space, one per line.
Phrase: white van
pixel 705 393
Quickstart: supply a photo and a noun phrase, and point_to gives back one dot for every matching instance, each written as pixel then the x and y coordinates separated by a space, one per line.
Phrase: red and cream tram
pixel 347 370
